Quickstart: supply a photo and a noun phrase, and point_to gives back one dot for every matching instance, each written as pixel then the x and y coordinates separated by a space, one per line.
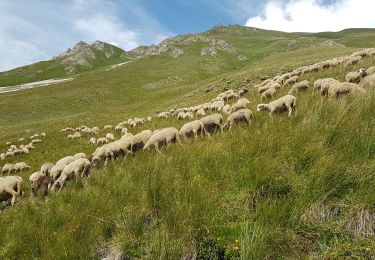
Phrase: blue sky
pixel 33 30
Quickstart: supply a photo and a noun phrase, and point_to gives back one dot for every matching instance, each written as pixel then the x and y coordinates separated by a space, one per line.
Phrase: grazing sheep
pixel 2 156
pixel 291 80
pixel 355 76
pixel 149 118
pixel 226 109
pixel 46 168
pixel 35 141
pixel 20 166
pixel 92 140
pixel 139 140
pixel 102 140
pixel 43 135
pixel 283 104
pixel 79 155
pixel 269 93
pixel 212 122
pixel 371 70
pixel 107 127
pixel 192 128
pixel 10 187
pixel 165 136
pixel 119 128
pixel 319 82
pixel 124 131
pixel 59 166
pixel 368 82
pixel 300 86
pixel 79 167
pixel 39 180
pixel 8 168
pixel 240 104
pixel 336 90
pixel 326 85
pixel 163 115
pixel 239 116
pixel 200 112
pixel 76 135
pixel 110 137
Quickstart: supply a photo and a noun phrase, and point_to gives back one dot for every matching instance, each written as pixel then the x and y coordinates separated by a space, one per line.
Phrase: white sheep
pixel 192 128
pixel 368 82
pixel 291 80
pixel 201 112
pixel 164 136
pixel 269 93
pixel 43 134
pixel 110 137
pixel 319 82
pixel 56 170
pixel 285 103
pixel 338 89
pixel 2 156
pixel 79 167
pixel 20 166
pixel 139 140
pixel 300 86
pixel 371 70
pixel 239 116
pixel 212 122
pixel 102 140
pixel 107 127
pixel 35 141
pixel 10 187
pixel 79 155
pixel 46 168
pixel 240 104
pixel 119 128
pixel 8 168
pixel 355 76
pixel 92 140
pixel 163 115
pixel 124 131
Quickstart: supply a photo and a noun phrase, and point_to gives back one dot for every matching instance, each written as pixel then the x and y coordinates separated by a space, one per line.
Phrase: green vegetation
pixel 299 187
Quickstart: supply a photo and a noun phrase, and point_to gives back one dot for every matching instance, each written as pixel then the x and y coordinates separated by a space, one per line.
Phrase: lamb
pixel 46 168
pixel 192 128
pixel 76 168
pixel 285 103
pixel 300 86
pixel 355 77
pixel 110 137
pixel 212 122
pixel 8 168
pixel 10 187
pixel 238 116
pixel 20 166
pixel 291 80
pixel 338 89
pixel 164 136
pixel 139 140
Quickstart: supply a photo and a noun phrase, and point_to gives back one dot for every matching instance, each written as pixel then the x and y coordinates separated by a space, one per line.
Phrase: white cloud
pixel 106 29
pixel 315 15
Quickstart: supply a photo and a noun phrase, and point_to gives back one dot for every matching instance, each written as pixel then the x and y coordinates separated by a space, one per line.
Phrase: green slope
pixel 294 188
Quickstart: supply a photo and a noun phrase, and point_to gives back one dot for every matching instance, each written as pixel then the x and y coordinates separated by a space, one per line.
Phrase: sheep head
pixel 262 107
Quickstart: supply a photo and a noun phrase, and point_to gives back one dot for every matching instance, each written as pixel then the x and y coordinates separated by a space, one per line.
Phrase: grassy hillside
pixel 56 68
pixel 297 188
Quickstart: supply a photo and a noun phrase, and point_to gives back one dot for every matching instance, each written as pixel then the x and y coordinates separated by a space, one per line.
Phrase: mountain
pixel 279 188
pixel 82 57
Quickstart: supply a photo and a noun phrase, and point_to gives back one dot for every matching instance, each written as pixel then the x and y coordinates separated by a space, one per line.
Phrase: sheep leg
pixel 195 132
pixel 290 110
pixel 12 192
pixel 157 147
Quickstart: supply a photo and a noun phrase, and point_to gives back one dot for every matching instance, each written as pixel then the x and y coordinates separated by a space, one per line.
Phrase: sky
pixel 34 30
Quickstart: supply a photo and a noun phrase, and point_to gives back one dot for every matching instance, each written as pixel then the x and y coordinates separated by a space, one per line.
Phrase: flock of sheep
pixel 53 176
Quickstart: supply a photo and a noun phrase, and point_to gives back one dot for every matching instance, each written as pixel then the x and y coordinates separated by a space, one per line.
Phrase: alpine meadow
pixel 272 187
